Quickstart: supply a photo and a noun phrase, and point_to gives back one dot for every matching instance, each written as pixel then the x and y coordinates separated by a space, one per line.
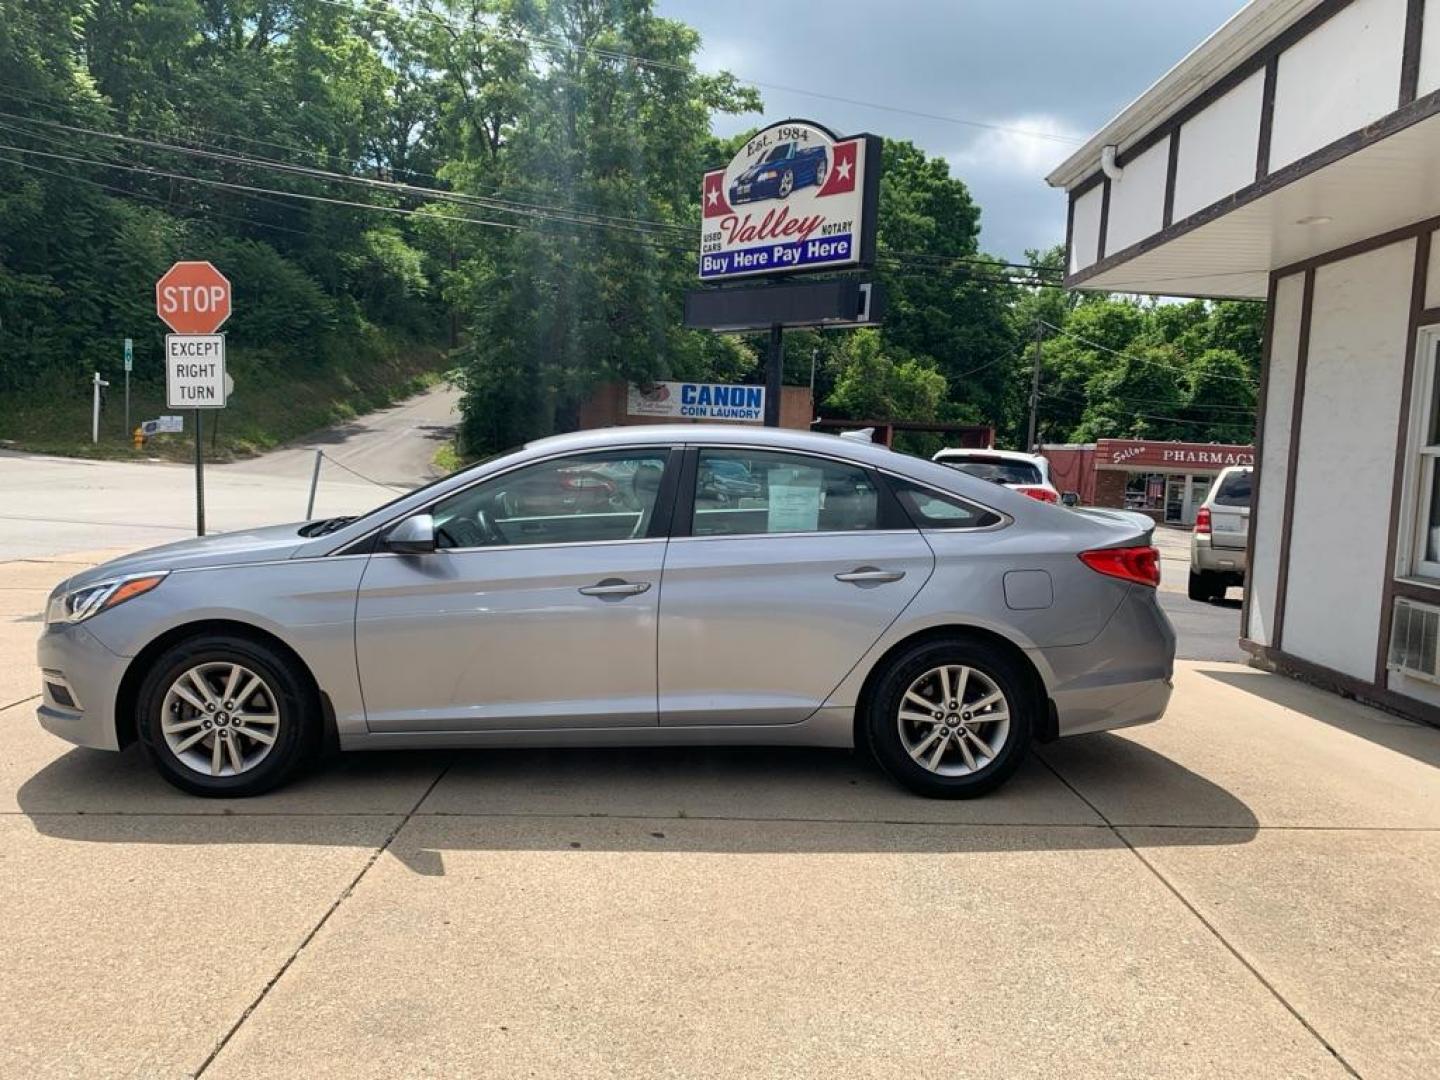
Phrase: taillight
pixel 1202 520
pixel 1138 564
pixel 1042 493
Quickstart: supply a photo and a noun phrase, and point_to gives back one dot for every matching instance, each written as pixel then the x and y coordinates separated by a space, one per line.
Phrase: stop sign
pixel 193 298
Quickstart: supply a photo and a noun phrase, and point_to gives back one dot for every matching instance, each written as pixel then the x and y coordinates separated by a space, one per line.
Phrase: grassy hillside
pixel 274 402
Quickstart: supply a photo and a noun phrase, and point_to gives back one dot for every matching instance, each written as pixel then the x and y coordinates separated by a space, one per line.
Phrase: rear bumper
pixel 1206 557
pixel 1123 677
pixel 76 666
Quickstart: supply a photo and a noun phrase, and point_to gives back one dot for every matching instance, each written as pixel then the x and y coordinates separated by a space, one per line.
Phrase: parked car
pixel 785 168
pixel 1222 528
pixel 856 596
pixel 1028 474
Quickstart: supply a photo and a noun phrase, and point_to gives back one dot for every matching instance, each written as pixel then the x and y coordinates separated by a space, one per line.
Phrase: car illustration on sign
pixel 785 168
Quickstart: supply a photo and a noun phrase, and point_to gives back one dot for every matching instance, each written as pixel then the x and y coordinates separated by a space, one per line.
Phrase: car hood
pixel 220 549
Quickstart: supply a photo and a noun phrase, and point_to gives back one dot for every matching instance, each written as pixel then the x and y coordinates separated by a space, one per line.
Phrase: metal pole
pixel 127 403
pixel 314 480
pixel 199 478
pixel 1035 386
pixel 774 374
pixel 95 409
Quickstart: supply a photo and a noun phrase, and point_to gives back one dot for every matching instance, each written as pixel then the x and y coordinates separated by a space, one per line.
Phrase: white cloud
pixel 1025 147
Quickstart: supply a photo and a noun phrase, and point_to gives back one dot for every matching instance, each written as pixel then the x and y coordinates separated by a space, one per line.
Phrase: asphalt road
pixel 393 446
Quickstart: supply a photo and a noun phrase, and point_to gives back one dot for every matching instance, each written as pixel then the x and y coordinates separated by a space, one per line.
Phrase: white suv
pixel 1217 543
pixel 1028 474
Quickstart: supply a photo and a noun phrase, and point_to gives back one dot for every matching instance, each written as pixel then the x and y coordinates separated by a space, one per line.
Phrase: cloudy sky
pixel 1057 67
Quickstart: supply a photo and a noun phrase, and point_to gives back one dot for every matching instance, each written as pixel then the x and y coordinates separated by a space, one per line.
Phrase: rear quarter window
pixel 931 509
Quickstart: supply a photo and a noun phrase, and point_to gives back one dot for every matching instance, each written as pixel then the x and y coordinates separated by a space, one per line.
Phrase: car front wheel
pixel 226 716
pixel 951 719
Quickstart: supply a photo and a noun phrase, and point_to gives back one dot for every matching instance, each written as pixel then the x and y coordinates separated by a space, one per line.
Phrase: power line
pixel 1139 359
pixel 687 70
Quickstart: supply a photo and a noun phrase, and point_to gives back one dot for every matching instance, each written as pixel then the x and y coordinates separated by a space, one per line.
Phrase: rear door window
pixel 743 492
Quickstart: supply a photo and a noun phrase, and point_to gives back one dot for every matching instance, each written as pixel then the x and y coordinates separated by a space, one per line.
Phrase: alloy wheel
pixel 954 720
pixel 220 719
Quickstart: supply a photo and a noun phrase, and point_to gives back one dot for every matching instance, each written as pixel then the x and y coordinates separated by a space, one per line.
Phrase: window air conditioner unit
pixel 1415 640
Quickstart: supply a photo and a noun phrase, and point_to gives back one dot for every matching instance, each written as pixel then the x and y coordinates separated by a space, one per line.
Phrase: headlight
pixel 77 605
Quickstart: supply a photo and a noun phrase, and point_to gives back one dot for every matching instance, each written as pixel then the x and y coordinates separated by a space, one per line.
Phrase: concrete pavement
pixel 1243 889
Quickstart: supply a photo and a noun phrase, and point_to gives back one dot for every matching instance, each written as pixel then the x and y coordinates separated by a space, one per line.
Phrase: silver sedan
pixel 628 587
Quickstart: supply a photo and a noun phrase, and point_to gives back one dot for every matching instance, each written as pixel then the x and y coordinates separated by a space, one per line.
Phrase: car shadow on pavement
pixel 1392 732
pixel 700 799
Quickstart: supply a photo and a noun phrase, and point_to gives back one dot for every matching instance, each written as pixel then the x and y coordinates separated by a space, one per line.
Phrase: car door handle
pixel 616 587
pixel 864 575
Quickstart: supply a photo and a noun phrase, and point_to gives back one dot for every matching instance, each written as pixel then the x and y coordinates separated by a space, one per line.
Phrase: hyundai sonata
pixel 628 587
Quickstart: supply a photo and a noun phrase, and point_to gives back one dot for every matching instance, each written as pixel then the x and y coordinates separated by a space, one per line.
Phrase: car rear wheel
pixel 225 716
pixel 951 719
pixel 1205 586
pixel 787 183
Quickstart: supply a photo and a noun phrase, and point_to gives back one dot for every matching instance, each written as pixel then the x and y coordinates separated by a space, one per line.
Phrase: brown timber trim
pixel 1266 346
pixel 1070 235
pixel 1275 659
pixel 1104 221
pixel 1267 119
pixel 1402 443
pixel 1430 316
pixel 1256 61
pixel 1297 414
pixel 1171 169
pixel 1410 57
pixel 1420 109
pixel 1416 590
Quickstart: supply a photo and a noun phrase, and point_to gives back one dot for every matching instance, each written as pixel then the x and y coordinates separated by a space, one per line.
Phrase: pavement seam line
pixel 22 701
pixel 309 937
pixel 1211 927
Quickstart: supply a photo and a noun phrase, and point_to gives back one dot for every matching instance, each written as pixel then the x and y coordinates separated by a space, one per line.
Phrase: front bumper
pixel 1123 677
pixel 80 678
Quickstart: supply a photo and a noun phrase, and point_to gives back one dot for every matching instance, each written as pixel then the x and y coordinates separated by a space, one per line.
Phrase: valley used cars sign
pixel 796 197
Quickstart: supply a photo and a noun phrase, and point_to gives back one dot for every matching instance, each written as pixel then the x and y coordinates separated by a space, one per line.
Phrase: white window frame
pixel 1421 461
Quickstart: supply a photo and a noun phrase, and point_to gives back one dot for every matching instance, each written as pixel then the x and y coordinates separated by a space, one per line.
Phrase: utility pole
pixel 774 374
pixel 1035 386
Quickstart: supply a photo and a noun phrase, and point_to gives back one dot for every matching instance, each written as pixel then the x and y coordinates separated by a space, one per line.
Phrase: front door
pixel 537 610
pixel 786 578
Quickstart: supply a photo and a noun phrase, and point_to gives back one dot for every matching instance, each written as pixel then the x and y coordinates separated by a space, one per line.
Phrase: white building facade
pixel 1294 157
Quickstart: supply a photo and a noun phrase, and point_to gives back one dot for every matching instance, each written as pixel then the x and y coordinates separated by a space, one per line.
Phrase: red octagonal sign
pixel 193 298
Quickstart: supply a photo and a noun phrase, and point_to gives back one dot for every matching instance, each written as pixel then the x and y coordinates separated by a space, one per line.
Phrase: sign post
pixel 129 362
pixel 193 299
pixel 95 408
pixel 795 199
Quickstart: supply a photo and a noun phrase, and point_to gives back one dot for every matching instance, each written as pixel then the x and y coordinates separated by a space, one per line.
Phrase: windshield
pixel 780 153
pixel 1234 490
pixel 998 470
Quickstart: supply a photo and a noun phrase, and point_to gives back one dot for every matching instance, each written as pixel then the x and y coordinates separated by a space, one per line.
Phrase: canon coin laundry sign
pixel 794 198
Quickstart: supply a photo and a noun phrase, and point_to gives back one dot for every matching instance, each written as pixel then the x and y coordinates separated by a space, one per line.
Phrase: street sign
pixel 195 371
pixel 129 354
pixel 796 197
pixel 193 298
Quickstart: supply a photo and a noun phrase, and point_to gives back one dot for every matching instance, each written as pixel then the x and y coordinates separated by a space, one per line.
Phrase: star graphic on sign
pixel 844 170
pixel 713 195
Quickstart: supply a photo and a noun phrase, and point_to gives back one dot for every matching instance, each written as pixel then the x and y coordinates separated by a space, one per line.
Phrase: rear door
pixel 783 570
pixel 1230 509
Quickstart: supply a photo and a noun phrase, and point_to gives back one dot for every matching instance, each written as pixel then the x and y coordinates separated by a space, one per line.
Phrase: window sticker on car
pixel 794 500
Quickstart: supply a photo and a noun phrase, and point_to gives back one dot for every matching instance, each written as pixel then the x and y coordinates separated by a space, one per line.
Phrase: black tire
pixel 1201 587
pixel 881 726
pixel 296 741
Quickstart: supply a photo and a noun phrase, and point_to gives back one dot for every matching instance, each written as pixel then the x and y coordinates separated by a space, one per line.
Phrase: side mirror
pixel 1070 498
pixel 413 536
